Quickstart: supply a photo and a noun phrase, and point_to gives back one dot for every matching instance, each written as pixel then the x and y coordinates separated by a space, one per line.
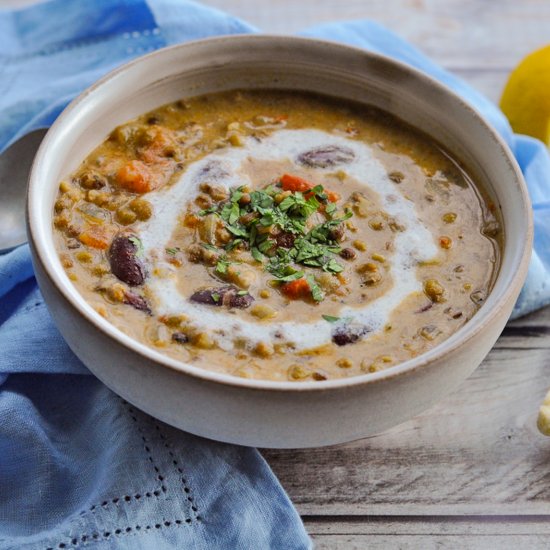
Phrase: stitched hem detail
pixel 91 538
pixel 179 469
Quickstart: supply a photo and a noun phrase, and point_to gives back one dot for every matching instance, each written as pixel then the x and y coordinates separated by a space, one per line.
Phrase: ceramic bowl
pixel 256 412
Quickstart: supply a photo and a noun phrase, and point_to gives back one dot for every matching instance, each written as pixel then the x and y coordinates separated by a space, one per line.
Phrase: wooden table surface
pixel 472 472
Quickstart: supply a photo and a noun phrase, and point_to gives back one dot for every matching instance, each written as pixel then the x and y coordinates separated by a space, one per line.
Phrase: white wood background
pixel 473 473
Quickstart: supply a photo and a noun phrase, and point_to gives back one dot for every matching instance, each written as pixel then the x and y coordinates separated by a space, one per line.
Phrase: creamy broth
pixel 278 235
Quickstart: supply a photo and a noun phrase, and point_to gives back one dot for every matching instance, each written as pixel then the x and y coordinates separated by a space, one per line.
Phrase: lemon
pixel 543 421
pixel 526 97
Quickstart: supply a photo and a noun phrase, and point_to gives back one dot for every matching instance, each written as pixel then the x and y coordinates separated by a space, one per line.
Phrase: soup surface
pixel 277 235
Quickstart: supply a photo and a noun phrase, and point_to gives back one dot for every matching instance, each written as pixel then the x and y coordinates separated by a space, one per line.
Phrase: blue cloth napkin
pixel 79 466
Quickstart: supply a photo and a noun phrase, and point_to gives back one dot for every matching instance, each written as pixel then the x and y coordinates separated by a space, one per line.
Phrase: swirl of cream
pixel 414 244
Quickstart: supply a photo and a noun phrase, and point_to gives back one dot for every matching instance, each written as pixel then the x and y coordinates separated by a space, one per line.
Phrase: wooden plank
pixel 476 453
pixel 529 332
pixel 456 33
pixel 537 318
pixel 421 532
pixel 422 525
pixel 435 542
pixel 492 36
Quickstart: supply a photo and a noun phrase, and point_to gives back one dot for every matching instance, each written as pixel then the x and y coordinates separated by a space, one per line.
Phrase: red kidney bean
pixel 124 261
pixel 325 156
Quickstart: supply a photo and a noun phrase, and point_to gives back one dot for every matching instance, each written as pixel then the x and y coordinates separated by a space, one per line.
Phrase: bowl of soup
pixel 275 241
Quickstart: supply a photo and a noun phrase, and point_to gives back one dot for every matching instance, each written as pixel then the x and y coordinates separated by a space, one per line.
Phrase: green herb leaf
pixel 236 195
pixel 207 211
pixel 289 202
pixel 138 244
pixel 291 277
pixel 256 254
pixel 330 318
pixel 330 209
pixel 237 230
pixel 171 251
pixel 222 265
pixel 333 266
pixel 316 293
pixel 216 297
pixel 266 246
pixel 307 250
pixel 209 246
pixel 253 234
pixel 233 244
pixel 234 214
pixel 297 205
pixel 242 293
pixel 260 199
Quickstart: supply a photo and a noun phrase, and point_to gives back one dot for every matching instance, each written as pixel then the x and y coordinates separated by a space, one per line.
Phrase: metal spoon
pixel 15 165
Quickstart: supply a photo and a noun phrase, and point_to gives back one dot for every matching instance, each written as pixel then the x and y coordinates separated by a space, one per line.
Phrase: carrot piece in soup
pixel 159 145
pixel 295 183
pixel 296 289
pixel 97 236
pixel 332 196
pixel 135 176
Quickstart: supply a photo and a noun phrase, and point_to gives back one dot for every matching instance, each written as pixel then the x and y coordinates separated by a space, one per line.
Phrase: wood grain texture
pixel 432 542
pixel 411 532
pixel 479 40
pixel 478 452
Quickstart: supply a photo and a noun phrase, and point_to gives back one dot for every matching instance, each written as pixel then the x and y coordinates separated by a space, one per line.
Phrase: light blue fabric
pixel 79 467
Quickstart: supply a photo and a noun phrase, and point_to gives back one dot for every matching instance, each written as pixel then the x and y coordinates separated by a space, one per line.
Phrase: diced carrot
pixel 332 196
pixel 159 144
pixel 135 176
pixel 296 289
pixel 445 242
pixel 295 183
pixel 97 236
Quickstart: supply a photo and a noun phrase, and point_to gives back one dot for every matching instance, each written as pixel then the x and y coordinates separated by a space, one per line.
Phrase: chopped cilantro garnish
pixel 222 265
pixel 209 246
pixel 233 244
pixel 256 254
pixel 237 231
pixel 242 293
pixel 330 318
pixel 330 209
pixel 207 211
pixel 316 293
pixel 280 234
pixel 230 212
pixel 171 251
pixel 216 297
pixel 291 277
pixel 297 204
pixel 333 266
pixel 137 243
pixel 265 246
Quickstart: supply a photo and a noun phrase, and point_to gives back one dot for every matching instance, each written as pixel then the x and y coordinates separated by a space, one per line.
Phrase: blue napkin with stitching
pixel 79 466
